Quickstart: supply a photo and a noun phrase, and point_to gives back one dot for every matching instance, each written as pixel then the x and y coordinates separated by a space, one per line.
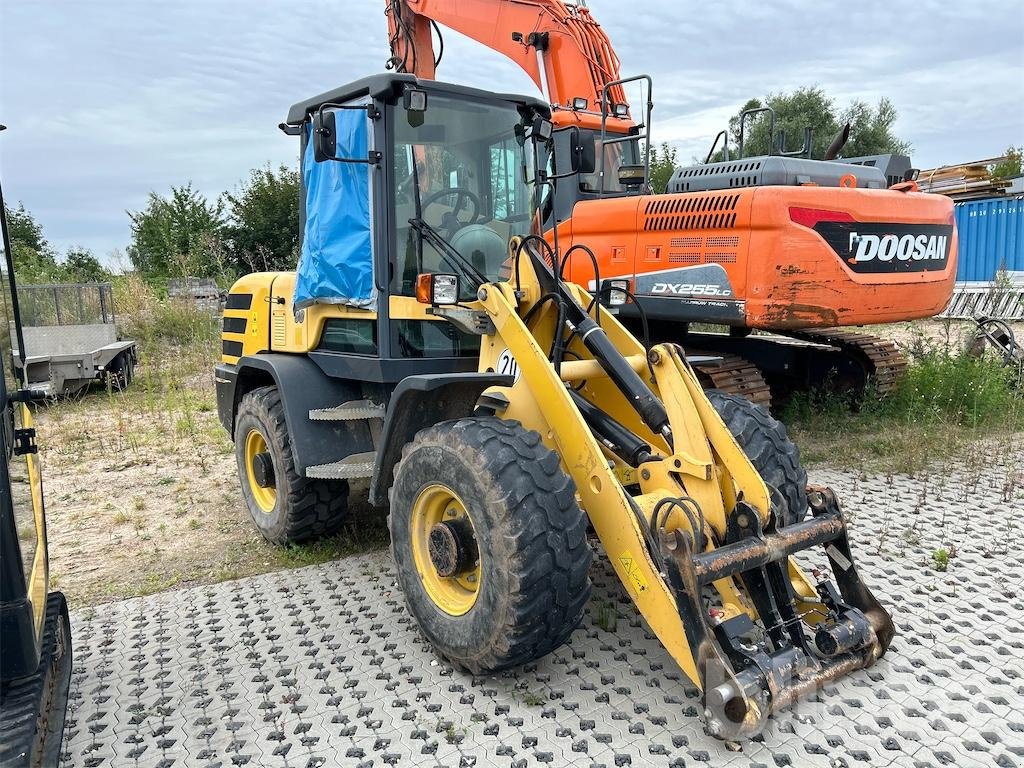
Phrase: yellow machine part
pixel 707 462
pixel 260 317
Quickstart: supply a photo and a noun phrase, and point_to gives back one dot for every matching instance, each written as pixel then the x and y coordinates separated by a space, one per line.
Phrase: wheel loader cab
pixel 400 178
pixel 406 158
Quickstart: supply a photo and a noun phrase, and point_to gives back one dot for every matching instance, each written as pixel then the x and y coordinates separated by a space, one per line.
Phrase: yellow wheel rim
pixel 455 594
pixel 256 444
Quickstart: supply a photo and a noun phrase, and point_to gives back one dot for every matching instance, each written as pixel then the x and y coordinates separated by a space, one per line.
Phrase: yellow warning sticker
pixel 633 572
pixel 626 475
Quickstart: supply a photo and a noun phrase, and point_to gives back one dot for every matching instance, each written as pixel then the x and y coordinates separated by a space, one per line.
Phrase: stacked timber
pixel 970 181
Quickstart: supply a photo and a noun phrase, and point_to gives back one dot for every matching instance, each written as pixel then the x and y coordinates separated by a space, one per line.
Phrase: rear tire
pixel 767 445
pixel 295 509
pixel 528 534
pixel 121 372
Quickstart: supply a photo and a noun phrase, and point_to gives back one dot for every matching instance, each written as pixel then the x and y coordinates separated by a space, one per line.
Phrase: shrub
pixel 152 320
pixel 966 390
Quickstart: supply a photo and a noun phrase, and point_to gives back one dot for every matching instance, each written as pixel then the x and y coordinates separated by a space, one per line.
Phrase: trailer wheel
pixel 121 371
pixel 286 508
pixel 773 454
pixel 489 543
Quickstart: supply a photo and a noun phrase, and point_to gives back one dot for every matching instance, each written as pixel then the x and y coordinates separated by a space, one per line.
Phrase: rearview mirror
pixel 583 152
pixel 631 175
pixel 325 135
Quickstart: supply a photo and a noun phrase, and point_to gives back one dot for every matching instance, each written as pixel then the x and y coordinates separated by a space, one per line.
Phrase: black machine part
pixel 749 671
pixel 775 170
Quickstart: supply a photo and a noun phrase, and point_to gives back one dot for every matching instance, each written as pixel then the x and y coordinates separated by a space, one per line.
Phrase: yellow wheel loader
pixel 428 346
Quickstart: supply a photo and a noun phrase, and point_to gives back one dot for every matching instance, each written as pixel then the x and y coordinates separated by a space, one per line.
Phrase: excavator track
pixel 734 375
pixel 882 359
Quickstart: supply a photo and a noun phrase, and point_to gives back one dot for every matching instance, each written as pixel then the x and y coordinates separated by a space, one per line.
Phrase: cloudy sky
pixel 106 100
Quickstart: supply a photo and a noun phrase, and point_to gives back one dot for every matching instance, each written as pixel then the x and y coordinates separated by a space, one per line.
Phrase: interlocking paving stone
pixel 322 666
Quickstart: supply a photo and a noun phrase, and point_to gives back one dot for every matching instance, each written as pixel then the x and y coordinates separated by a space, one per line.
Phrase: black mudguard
pixel 303 387
pixel 418 402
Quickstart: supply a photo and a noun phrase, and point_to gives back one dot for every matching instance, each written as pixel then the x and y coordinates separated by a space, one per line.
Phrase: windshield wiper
pixel 448 252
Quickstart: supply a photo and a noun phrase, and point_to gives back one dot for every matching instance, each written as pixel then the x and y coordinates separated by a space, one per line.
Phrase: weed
pixel 945 401
pixel 607 616
pixel 194 525
pixel 534 699
pixel 911 536
pixel 120 518
pixel 940 559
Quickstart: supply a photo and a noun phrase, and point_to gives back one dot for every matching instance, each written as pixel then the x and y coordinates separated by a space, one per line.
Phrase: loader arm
pixel 559 45
pixel 703 518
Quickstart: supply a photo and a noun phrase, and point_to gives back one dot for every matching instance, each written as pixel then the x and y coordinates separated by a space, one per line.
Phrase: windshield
pixel 461 172
pixel 616 154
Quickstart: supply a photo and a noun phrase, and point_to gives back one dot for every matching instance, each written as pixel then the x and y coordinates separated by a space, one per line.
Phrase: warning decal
pixel 632 568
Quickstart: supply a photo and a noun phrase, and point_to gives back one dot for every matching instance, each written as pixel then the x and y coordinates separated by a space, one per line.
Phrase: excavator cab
pixel 428 352
pixel 35 629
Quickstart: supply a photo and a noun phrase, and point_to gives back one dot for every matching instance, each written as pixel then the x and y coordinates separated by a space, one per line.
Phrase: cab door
pixel 24 566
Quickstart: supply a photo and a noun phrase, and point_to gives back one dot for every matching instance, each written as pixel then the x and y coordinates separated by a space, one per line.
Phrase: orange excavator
pixel 794 248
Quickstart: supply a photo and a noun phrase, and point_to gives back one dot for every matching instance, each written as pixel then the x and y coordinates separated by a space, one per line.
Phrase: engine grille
pixel 691 212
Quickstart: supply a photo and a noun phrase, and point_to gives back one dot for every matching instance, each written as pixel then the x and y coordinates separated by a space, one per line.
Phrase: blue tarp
pixel 336 263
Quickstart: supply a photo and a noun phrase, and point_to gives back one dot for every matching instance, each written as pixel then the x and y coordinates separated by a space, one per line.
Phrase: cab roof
pixel 389 85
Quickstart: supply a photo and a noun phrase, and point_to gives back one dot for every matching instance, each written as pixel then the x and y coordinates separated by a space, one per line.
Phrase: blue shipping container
pixel 991 236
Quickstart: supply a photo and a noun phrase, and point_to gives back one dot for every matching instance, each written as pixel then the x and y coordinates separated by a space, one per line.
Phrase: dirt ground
pixel 949 335
pixel 142 490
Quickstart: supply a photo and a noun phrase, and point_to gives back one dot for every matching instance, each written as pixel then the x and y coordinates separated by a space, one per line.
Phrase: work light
pixel 613 291
pixel 414 100
pixel 542 128
pixel 433 288
pixel 579 102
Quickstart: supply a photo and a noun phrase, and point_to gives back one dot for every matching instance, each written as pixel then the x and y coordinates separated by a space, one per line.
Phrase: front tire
pixel 286 508
pixel 766 443
pixel 489 543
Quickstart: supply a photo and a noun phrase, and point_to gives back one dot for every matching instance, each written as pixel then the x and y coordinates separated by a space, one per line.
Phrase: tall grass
pixel 956 388
pixel 153 320
pixel 946 400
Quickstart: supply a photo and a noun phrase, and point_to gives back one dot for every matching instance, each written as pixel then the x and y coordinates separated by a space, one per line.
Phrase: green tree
pixel 24 228
pixel 263 229
pixel 1010 167
pixel 34 259
pixel 80 266
pixel 663 165
pixel 871 130
pixel 178 235
pixel 810 107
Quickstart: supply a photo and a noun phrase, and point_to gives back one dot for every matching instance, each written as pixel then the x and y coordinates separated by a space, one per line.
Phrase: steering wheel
pixel 451 219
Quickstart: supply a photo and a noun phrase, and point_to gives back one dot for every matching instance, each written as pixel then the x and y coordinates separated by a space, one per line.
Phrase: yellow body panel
pixel 271 324
pixel 39 575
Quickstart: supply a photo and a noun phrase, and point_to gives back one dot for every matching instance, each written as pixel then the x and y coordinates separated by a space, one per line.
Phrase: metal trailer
pixel 71 338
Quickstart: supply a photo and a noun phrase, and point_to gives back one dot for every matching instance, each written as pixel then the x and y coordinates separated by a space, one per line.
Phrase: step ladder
pixel 357 465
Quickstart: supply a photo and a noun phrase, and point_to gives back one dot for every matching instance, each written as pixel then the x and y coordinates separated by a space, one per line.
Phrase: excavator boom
pixel 559 45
